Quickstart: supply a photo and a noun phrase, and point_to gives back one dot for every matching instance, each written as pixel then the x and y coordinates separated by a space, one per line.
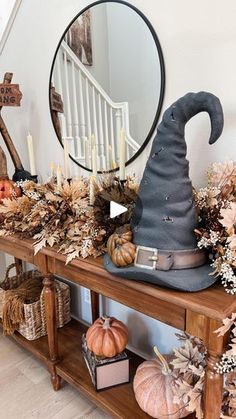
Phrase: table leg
pixel 213 388
pixel 204 327
pixel 94 305
pixel 50 306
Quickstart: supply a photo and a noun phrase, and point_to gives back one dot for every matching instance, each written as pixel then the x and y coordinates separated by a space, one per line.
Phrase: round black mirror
pixel 107 85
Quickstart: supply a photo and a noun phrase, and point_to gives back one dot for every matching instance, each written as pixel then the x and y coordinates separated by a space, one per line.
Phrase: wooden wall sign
pixel 56 101
pixel 10 94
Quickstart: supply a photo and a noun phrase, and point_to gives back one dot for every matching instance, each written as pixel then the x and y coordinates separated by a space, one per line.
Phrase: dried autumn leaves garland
pixel 189 366
pixel 217 212
pixel 62 216
pixel 227 365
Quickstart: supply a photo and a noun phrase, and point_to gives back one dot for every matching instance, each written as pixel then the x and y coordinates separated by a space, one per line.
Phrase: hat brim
pixel 190 280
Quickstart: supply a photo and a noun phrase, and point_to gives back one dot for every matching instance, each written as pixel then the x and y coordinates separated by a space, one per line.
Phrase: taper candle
pixel 110 156
pixel 52 168
pixel 58 176
pixel 122 154
pixel 63 127
pixel 112 162
pixel 86 152
pixel 92 181
pixel 31 154
pixel 66 159
pixel 94 155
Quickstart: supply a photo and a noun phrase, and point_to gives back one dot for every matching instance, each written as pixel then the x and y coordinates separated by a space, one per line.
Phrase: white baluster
pixel 95 126
pixel 101 136
pixel 114 151
pixel 77 144
pixel 118 121
pixel 82 112
pixel 89 128
pixel 88 116
pixel 67 95
pixel 106 137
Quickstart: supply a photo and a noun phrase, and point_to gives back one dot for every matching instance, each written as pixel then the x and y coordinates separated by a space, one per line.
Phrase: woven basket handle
pixel 9 268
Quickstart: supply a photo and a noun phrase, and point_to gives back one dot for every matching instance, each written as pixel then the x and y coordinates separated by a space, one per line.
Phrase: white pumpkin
pixel 154 392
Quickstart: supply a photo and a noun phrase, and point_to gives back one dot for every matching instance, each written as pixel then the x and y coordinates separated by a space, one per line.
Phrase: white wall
pixel 134 67
pixel 99 38
pixel 198 41
pixel 5 11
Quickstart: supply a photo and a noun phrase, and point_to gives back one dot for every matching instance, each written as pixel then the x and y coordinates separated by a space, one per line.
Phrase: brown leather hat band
pixel 164 260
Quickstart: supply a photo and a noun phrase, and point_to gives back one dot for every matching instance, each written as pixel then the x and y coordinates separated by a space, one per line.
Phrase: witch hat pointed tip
pixel 212 140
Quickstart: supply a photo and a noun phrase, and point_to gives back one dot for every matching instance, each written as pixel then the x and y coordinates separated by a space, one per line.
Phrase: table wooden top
pixel 213 302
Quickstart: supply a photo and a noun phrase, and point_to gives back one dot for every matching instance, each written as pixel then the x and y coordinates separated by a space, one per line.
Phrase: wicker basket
pixel 35 315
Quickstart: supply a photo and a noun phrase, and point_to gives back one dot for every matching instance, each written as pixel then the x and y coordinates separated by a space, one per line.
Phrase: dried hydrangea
pixel 227 363
pixel 216 206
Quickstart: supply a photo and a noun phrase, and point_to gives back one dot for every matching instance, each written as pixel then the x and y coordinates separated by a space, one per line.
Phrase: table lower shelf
pixel 118 401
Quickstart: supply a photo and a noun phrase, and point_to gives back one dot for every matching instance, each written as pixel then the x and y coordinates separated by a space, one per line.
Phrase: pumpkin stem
pixel 161 358
pixel 106 323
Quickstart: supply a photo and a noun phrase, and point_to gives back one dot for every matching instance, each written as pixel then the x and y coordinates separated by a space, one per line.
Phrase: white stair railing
pixel 89 110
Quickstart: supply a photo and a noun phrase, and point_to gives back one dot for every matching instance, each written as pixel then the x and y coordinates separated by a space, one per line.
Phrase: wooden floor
pixel 25 390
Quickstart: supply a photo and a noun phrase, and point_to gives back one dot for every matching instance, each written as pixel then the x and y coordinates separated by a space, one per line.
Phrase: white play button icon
pixel 116 209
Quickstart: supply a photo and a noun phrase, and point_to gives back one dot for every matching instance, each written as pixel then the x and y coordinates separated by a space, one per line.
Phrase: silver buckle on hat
pixel 141 257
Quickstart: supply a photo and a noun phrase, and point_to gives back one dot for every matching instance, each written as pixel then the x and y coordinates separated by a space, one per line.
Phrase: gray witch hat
pixel 165 216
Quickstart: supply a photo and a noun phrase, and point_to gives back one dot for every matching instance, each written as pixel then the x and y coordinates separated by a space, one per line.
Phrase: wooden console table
pixel 197 313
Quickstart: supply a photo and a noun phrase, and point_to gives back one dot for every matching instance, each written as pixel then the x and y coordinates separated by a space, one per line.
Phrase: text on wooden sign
pixel 10 94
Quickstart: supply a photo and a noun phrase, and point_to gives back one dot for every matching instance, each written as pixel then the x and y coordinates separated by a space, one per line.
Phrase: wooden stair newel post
pixel 204 327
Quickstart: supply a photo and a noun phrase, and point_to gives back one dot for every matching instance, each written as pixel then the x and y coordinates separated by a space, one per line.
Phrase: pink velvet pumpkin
pixel 153 390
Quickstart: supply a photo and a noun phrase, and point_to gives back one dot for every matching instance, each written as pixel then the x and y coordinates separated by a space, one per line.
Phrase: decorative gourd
pixel 107 337
pixel 124 254
pixel 118 239
pixel 153 389
pixel 8 189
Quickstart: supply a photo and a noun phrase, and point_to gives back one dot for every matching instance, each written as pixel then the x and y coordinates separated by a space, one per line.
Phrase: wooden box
pixel 106 372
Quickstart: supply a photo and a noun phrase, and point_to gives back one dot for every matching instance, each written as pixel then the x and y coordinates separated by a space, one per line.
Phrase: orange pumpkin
pixel 124 255
pixel 153 389
pixel 118 239
pixel 8 189
pixel 120 247
pixel 107 337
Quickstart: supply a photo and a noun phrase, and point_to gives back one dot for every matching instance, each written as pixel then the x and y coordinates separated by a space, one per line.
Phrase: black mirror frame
pixel 162 87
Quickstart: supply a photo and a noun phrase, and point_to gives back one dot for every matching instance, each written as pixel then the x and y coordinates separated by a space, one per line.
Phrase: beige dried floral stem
pixel 216 205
